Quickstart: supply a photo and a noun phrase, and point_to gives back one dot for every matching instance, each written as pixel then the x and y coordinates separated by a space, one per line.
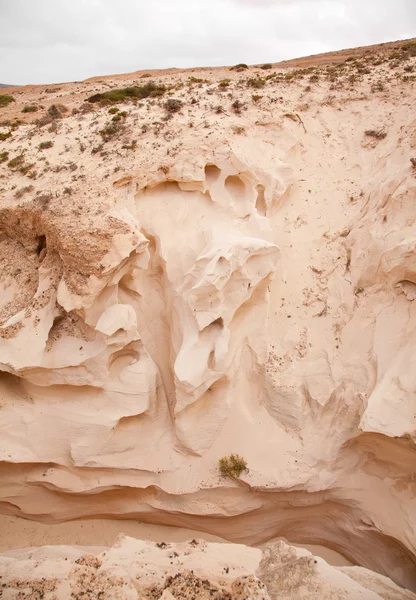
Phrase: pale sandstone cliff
pixel 237 279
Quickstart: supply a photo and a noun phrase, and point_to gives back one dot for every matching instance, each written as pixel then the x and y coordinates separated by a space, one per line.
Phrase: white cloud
pixel 50 41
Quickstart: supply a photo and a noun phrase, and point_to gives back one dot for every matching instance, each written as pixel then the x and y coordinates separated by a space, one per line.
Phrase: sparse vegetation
pixel 110 130
pixel 232 466
pixel 224 83
pixel 5 136
pixel 256 82
pixel 56 111
pixel 120 115
pixel 412 160
pixel 24 190
pixel 173 105
pixel 240 67
pixel 266 66
pixel 237 105
pixel 29 109
pixel 45 145
pixel 4 156
pixel 149 90
pixel 378 134
pixel 5 99
pixel 256 97
pixel 67 191
pixel 16 162
pixel 410 48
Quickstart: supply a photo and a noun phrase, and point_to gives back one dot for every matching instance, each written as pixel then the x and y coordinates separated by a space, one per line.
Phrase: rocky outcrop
pixel 248 290
pixel 135 569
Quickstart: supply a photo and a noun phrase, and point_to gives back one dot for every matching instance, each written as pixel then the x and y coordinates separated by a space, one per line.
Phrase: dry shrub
pixel 232 466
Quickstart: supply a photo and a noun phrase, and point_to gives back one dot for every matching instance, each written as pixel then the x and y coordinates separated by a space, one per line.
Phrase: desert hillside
pixel 207 322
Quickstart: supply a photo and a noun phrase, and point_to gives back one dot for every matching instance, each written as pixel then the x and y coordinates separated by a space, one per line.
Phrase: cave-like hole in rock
pixel 41 244
pixel 212 173
pixel 235 186
pixel 261 205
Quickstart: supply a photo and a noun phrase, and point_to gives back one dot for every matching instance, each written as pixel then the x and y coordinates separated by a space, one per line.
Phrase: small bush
pixel 410 48
pixel 232 466
pixel 54 112
pixel 4 156
pixel 29 109
pixel 378 134
pixel 193 79
pixel 120 115
pixel 256 82
pixel 240 67
pixel 237 106
pixel 113 110
pixel 45 145
pixel 16 162
pixel 24 190
pixel 266 66
pixel 67 191
pixel 5 99
pixel 224 83
pixel 256 97
pixel 173 105
pixel 5 136
pixel 149 90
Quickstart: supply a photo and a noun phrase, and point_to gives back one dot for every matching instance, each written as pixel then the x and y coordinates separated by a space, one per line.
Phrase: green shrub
pixel 266 66
pixel 232 466
pixel 256 82
pixel 224 83
pixel 45 145
pixel 149 90
pixel 3 156
pixel 240 67
pixel 113 110
pixel 16 162
pixel 29 109
pixel 5 136
pixel 5 99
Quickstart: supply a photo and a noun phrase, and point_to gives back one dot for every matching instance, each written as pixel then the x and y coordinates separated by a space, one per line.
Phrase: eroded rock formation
pixel 256 295
pixel 134 569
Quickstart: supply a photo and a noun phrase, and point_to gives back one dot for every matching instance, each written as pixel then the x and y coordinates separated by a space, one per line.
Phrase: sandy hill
pixel 207 322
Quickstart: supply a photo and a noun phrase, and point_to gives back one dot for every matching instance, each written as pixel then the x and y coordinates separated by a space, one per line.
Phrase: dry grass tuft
pixel 232 466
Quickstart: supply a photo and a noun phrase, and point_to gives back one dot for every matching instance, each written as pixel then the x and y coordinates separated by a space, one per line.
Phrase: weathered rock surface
pixel 246 286
pixel 136 569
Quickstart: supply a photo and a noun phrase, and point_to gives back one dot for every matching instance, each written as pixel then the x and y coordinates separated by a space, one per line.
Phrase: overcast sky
pixel 48 41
